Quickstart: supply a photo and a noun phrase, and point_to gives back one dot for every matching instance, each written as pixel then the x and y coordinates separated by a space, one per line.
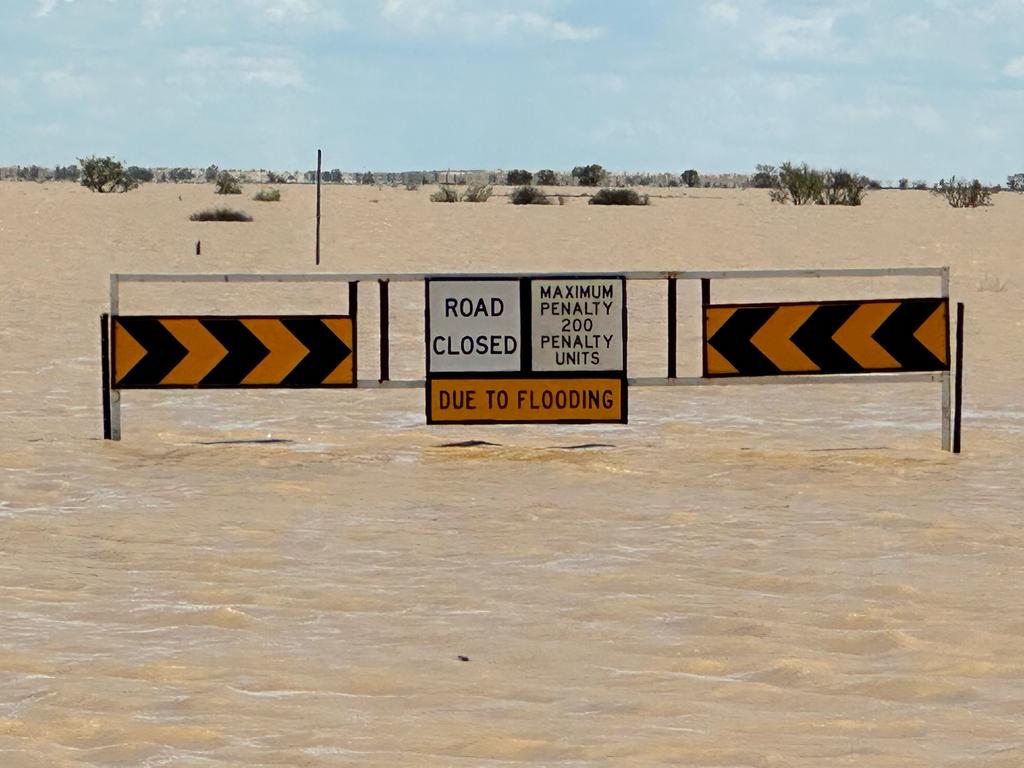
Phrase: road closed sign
pixel 526 349
pixel 473 326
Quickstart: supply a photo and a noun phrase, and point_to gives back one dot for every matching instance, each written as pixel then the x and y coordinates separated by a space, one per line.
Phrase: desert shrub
pixel 618 197
pixel 546 177
pixel 66 173
pixel 528 196
pixel 477 193
pixel 366 178
pixel 961 193
pixel 268 196
pixel 690 178
pixel 765 177
pixel 444 194
pixel 220 214
pixel 845 188
pixel 518 177
pixel 227 184
pixel 799 185
pixel 179 174
pixel 104 174
pixel 140 175
pixel 921 185
pixel 588 175
pixel 1015 182
pixel 904 183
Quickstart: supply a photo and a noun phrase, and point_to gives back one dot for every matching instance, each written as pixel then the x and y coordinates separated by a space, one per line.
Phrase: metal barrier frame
pixel 112 397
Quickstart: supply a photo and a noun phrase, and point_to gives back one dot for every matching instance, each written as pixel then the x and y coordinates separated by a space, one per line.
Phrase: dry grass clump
pixel 444 194
pixel 528 196
pixel 220 214
pixel 268 196
pixel 961 193
pixel 477 193
pixel 618 197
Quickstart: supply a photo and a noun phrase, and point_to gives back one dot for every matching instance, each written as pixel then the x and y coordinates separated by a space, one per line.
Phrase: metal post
pixel 705 300
pixel 672 328
pixel 319 159
pixel 105 362
pixel 959 388
pixel 111 398
pixel 385 351
pixel 353 311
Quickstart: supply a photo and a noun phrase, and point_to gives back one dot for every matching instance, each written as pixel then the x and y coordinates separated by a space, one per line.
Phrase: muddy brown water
pixel 766 576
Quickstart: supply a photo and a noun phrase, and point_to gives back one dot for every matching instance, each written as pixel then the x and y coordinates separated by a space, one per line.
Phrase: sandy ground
pixel 772 576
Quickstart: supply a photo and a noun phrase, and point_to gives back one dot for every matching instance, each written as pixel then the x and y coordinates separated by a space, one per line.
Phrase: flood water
pixel 748 576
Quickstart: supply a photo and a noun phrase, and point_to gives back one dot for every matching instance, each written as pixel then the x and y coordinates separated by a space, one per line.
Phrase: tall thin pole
pixel 319 160
pixel 105 381
pixel 958 402
pixel 672 322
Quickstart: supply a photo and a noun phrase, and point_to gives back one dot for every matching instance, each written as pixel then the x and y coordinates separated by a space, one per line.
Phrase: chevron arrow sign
pixel 233 352
pixel 888 335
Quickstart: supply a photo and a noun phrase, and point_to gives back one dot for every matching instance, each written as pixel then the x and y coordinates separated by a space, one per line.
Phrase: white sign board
pixel 473 325
pixel 577 324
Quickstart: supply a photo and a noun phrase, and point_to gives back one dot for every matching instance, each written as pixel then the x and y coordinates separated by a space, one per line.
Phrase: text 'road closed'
pixel 526 400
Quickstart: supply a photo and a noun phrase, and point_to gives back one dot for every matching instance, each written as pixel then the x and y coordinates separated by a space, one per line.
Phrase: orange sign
pixel 522 400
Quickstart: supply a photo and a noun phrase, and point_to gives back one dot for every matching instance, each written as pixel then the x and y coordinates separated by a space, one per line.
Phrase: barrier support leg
pixel 672 322
pixel 111 398
pixel 385 340
pixel 958 401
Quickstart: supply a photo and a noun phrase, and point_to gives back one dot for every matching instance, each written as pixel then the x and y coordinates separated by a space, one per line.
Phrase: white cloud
pixel 726 13
pixel 793 36
pixel 67 85
pixel 1014 67
pixel 926 119
pixel 197 67
pixel 452 18
pixel 296 12
pixel 45 7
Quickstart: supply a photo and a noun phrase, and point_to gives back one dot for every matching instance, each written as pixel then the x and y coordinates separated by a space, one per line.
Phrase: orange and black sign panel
pixel 499 400
pixel 233 352
pixel 896 335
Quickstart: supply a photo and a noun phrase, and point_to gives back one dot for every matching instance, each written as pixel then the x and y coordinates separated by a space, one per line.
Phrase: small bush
pixel 845 188
pixel 518 177
pixel 799 185
pixel 618 197
pixel 764 177
pixel 227 184
pixel 179 174
pixel 444 194
pixel 268 196
pixel 1015 182
pixel 477 193
pixel 528 196
pixel 690 178
pixel 220 214
pixel 104 174
pixel 588 175
pixel 803 185
pixel 961 193
pixel 904 183
pixel 546 178
pixel 141 175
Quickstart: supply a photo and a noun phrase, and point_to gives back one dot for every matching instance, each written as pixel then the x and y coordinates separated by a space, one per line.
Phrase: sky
pixel 891 88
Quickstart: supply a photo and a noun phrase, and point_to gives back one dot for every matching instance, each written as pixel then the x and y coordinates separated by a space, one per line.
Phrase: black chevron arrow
pixel 326 351
pixel 896 335
pixel 245 352
pixel 732 340
pixel 163 352
pixel 814 338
